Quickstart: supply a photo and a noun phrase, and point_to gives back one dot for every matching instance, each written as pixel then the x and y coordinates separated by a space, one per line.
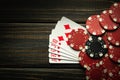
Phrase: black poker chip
pixel 96 47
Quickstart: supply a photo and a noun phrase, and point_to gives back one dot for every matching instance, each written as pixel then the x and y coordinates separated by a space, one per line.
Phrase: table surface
pixel 25 26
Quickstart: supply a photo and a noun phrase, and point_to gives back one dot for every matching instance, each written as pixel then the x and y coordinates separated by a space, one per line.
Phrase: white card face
pixel 62 54
pixel 72 23
pixel 59 61
pixel 52 55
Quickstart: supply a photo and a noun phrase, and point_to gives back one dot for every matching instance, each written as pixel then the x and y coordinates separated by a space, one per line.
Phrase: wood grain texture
pixel 50 11
pixel 41 74
pixel 25 26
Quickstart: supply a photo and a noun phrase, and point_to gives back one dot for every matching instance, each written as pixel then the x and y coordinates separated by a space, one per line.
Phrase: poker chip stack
pixel 99 44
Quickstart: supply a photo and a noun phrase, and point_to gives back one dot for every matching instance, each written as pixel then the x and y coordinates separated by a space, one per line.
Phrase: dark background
pixel 25 26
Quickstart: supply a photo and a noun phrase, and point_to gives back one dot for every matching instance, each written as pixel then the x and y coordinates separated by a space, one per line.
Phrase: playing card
pixel 51 50
pixel 54 60
pixel 53 55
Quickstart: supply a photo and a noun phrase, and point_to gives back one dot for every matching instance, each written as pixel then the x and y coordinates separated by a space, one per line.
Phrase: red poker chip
pixel 96 73
pixel 104 37
pixel 107 63
pixel 86 61
pixel 77 39
pixel 115 75
pixel 115 12
pixel 106 22
pixel 93 26
pixel 114 37
pixel 111 68
pixel 114 53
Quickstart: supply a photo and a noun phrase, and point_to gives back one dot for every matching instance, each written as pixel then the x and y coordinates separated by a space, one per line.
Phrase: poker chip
pixel 93 26
pixel 77 39
pixel 95 47
pixel 115 12
pixel 114 37
pixel 85 61
pixel 106 22
pixel 115 75
pixel 114 53
pixel 104 37
pixel 110 67
pixel 95 73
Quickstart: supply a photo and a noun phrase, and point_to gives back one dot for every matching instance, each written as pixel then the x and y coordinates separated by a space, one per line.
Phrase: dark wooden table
pixel 25 26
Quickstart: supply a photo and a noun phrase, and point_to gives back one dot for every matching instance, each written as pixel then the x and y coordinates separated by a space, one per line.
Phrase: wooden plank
pixel 42 74
pixel 50 11
pixel 24 44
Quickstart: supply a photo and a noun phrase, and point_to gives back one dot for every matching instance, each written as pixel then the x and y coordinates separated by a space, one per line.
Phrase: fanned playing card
pixel 59 50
